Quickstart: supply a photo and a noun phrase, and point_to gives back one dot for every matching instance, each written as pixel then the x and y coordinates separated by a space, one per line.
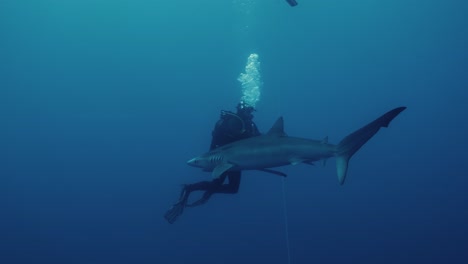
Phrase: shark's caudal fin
pixel 354 141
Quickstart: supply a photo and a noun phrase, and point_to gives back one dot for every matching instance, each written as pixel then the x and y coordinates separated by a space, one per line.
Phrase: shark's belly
pixel 268 156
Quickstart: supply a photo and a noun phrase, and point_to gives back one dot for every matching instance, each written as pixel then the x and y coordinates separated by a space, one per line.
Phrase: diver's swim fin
pixel 175 211
pixel 178 208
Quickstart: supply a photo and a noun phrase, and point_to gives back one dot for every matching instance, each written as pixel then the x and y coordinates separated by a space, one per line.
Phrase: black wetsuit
pixel 230 127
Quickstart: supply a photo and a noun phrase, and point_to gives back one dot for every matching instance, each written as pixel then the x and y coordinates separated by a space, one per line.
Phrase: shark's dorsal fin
pixel 277 129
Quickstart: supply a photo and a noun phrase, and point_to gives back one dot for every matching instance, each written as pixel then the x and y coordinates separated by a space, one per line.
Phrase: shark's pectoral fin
pixel 274 172
pixel 220 169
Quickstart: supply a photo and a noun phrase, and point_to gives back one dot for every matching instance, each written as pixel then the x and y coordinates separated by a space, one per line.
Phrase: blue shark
pixel 276 149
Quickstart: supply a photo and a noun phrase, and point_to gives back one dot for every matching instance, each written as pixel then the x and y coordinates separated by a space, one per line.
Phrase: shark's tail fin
pixel 354 141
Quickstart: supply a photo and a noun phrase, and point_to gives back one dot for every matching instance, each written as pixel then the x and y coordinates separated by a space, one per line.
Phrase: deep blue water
pixel 102 102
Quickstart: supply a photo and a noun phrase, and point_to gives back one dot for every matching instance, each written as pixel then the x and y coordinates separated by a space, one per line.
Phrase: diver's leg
pixel 205 197
pixel 178 208
pixel 218 187
pixel 234 178
pixel 203 185
pixel 212 187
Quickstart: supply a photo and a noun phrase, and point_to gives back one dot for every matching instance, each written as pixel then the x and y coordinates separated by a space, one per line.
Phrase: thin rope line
pixel 286 224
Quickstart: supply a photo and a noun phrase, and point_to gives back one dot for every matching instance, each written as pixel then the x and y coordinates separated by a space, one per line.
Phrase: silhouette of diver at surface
pixel 292 2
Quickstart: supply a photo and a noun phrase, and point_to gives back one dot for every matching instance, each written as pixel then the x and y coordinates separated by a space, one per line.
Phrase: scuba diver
pixel 292 2
pixel 229 128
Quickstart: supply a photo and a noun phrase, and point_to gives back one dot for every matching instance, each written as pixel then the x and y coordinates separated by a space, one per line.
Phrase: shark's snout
pixel 192 162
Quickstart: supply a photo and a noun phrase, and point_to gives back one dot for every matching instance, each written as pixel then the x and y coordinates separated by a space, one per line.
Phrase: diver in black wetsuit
pixel 229 128
pixel 292 2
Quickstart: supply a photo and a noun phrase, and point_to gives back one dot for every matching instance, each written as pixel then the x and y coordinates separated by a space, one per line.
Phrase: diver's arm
pixel 292 2
pixel 255 131
pixel 216 135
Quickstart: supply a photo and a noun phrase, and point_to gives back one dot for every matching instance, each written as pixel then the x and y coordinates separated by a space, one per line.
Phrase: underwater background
pixel 102 102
